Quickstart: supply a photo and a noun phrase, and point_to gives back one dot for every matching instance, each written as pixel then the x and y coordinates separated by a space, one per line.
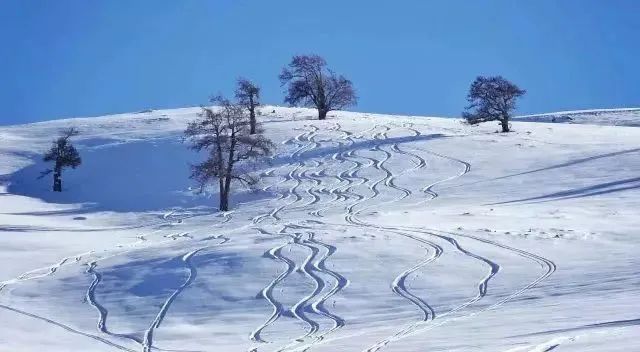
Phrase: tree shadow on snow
pixel 552 167
pixel 135 176
pixel 602 188
pixel 572 162
pixel 147 175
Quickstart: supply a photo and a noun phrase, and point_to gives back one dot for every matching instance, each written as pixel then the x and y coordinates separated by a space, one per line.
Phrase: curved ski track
pixel 398 285
pixel 97 278
pixel 147 341
pixel 311 303
pixel 308 188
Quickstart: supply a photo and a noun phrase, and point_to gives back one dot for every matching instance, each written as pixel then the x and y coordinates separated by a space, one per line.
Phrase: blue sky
pixel 82 58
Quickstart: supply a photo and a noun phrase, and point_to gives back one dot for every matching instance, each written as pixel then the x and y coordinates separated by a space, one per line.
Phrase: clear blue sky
pixel 70 58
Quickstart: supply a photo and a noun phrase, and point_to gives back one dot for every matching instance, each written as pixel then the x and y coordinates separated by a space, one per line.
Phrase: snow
pixel 611 117
pixel 367 232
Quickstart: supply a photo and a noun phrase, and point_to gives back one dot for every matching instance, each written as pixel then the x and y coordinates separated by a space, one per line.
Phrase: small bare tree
pixel 492 99
pixel 248 95
pixel 312 84
pixel 64 155
pixel 224 133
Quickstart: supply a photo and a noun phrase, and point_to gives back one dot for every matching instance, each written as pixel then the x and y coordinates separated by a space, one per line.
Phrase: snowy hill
pixel 609 117
pixel 366 233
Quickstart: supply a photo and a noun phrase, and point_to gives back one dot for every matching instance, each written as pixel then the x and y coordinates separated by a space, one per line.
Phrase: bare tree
pixel 64 155
pixel 492 99
pixel 311 83
pixel 224 133
pixel 248 95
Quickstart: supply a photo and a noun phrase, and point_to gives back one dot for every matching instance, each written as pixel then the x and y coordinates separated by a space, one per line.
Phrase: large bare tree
pixel 63 155
pixel 492 99
pixel 311 83
pixel 224 133
pixel 248 95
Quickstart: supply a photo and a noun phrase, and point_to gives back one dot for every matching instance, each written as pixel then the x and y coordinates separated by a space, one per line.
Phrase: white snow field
pixel 611 117
pixel 366 233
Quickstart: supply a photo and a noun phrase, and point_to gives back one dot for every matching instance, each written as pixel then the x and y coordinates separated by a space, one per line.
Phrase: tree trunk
pixel 505 124
pixel 224 197
pixel 322 114
pixel 224 201
pixel 252 121
pixel 225 187
pixel 57 179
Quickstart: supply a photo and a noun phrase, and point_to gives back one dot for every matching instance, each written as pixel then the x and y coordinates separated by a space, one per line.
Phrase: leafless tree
pixel 248 95
pixel 492 99
pixel 64 155
pixel 311 83
pixel 224 133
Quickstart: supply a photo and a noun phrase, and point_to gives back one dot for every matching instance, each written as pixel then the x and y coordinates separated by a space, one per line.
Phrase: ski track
pixel 97 278
pixel 313 262
pixel 267 293
pixel 298 309
pixel 147 341
pixel 425 308
pixel 316 264
pixel 340 284
pixel 168 219
pixel 77 259
pixel 351 217
pixel 483 285
pixel 336 191
pixel 102 311
pixel 306 187
pixel 548 266
pixel 422 326
pixel 398 287
pixel 46 271
pixel 291 176
pixel 90 296
pixel 66 328
pixel 388 181
pixel 309 303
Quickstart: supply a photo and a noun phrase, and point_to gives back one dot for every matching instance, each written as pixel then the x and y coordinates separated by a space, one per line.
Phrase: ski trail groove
pixel 398 287
pixel 341 284
pixel 310 267
pixel 67 328
pixel 90 297
pixel 147 341
pixel 298 309
pixel 267 293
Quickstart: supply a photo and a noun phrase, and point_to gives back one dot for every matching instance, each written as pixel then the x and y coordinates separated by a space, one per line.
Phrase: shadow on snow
pixel 135 176
pixel 602 188
pixel 147 175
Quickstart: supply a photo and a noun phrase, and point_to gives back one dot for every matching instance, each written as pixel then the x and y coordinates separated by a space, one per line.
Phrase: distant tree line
pixel 231 137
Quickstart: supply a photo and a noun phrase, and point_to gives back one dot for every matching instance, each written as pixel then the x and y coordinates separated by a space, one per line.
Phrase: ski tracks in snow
pixel 147 341
pixel 304 185
pixel 90 296
pixel 398 286
pixel 311 304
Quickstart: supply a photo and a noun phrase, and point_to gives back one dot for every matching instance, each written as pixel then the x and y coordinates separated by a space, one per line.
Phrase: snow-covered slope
pixel 366 233
pixel 609 117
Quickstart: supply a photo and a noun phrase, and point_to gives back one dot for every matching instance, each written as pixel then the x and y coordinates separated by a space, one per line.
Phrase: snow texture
pixel 366 233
